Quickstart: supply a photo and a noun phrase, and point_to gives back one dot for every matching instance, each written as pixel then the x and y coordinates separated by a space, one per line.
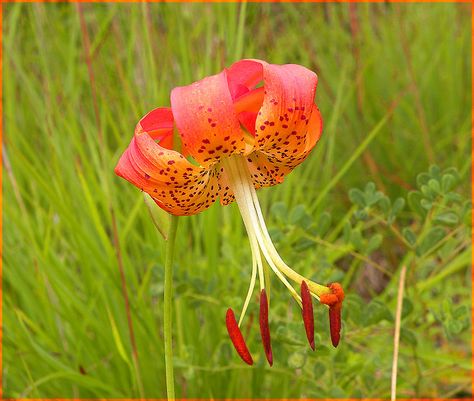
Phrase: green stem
pixel 167 307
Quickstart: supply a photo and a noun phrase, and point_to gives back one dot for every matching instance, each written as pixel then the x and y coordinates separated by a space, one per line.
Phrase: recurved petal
pixel 270 166
pixel 158 123
pixel 207 123
pixel 283 121
pixel 247 73
pixel 173 182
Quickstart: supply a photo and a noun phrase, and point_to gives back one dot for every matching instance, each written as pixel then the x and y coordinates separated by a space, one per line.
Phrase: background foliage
pixel 395 96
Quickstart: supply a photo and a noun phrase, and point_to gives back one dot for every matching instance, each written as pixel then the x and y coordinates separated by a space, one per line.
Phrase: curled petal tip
pixel 307 312
pixel 264 327
pixel 236 337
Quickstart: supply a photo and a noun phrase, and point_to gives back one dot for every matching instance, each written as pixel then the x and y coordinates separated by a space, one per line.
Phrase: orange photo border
pixel 228 1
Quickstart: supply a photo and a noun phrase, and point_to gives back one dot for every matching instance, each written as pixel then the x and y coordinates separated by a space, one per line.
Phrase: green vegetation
pixel 388 185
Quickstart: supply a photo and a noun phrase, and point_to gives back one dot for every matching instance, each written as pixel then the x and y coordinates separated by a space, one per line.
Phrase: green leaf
pixel 375 198
pixel 447 218
pixel 453 197
pixel 279 210
pixel 159 217
pixel 408 337
pixel 357 197
pixel 353 308
pixel 422 179
pixel 324 223
pixel 297 360
pixel 447 182
pixel 384 204
pixel 302 244
pixel 409 235
pixel 407 307
pixel 297 214
pixel 276 234
pixel 376 312
pixel 319 368
pixel 374 243
pixel 434 185
pixel 427 192
pixel 435 171
pixel 453 327
pixel 356 239
pixel 361 214
pixel 426 204
pixel 398 206
pixel 461 312
pixel 369 188
pixel 435 235
pixel 117 339
pixel 414 202
pixel 337 392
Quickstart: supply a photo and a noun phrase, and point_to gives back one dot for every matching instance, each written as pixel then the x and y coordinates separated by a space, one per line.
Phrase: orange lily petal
pixel 288 123
pixel 158 123
pixel 206 120
pixel 286 110
pixel 173 182
pixel 247 73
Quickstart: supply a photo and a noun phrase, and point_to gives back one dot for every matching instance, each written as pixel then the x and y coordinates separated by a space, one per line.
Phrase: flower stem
pixel 167 307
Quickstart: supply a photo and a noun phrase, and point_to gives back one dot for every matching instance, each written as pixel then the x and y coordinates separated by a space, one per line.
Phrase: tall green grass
pixel 395 96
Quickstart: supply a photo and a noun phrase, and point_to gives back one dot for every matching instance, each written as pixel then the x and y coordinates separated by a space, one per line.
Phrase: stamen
pixel 334 301
pixel 250 101
pixel 335 323
pixel 236 337
pixel 264 327
pixel 278 261
pixel 307 312
pixel 251 287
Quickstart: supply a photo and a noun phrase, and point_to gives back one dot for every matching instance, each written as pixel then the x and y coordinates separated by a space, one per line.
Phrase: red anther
pixel 307 312
pixel 264 328
pixel 334 301
pixel 335 323
pixel 236 337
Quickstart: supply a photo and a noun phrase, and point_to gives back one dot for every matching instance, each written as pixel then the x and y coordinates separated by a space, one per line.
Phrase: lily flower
pixel 242 129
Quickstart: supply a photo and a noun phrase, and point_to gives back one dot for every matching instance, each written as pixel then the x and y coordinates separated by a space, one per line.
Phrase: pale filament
pixel 245 195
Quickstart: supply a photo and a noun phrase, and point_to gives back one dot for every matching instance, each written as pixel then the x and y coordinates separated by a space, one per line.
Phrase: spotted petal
pixel 172 181
pixel 283 128
pixel 206 120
